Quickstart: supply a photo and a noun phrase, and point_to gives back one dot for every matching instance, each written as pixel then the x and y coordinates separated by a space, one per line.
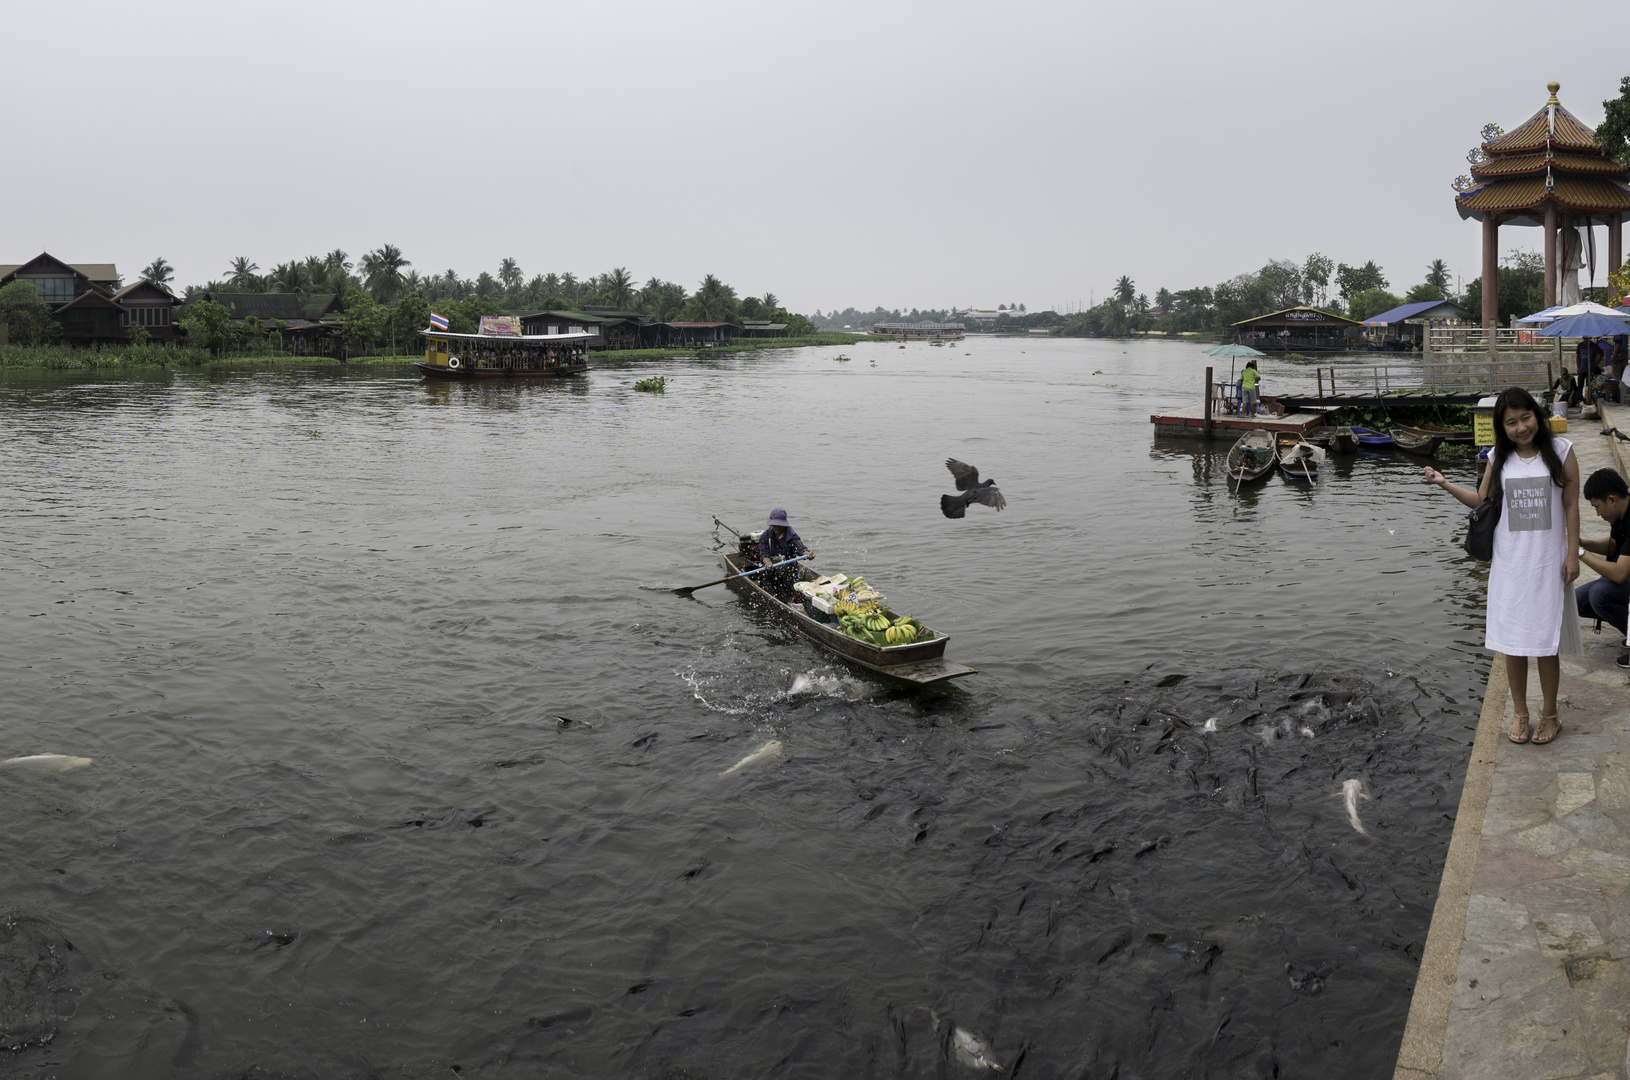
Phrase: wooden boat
pixel 1436 431
pixel 1370 438
pixel 1298 458
pixel 502 356
pixel 1415 444
pixel 1251 457
pixel 1337 440
pixel 920 663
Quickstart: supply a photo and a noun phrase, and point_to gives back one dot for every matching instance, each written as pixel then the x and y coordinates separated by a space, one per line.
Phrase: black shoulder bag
pixel 1481 523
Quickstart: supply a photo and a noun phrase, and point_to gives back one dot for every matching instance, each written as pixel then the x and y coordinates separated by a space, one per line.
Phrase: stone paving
pixel 1527 967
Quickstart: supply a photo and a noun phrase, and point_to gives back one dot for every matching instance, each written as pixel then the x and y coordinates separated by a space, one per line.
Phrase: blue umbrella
pixel 1234 350
pixel 1589 324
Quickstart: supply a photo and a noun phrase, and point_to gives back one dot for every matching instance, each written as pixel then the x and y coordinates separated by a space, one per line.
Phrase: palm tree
pixel 714 301
pixel 510 274
pixel 570 287
pixel 289 277
pixel 486 287
pixel 383 272
pixel 618 286
pixel 413 282
pixel 771 305
pixel 1125 291
pixel 159 271
pixel 1437 276
pixel 551 285
pixel 242 272
pixel 337 260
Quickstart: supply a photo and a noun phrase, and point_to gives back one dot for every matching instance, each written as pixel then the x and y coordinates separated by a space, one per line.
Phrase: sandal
pixel 1554 731
pixel 1512 735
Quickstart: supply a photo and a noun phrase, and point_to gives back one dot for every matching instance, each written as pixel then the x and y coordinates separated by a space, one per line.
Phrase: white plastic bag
pixel 1573 642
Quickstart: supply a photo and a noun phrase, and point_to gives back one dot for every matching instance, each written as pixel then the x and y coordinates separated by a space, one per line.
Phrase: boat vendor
pixel 779 543
pixel 1248 382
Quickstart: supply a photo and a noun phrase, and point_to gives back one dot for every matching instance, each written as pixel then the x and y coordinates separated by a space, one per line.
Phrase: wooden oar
pixel 688 589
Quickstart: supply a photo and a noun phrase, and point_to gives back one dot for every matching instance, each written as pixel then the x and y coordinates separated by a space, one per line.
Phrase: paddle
pixel 687 590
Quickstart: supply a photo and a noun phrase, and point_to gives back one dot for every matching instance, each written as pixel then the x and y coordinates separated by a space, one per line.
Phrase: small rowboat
pixel 1339 440
pixel 1299 459
pixel 1436 431
pixel 1251 457
pixel 1368 437
pixel 1415 444
pixel 920 663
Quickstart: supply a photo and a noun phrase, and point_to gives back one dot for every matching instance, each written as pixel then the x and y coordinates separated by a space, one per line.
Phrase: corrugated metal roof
pixel 1299 307
pixel 1409 311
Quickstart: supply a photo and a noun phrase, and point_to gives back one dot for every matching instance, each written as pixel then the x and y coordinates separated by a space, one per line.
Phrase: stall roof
pixel 1300 314
pixel 1413 311
pixel 530 339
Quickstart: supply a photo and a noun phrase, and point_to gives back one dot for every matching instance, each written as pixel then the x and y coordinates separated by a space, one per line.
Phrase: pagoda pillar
pixel 1550 254
pixel 1491 272
pixel 1615 243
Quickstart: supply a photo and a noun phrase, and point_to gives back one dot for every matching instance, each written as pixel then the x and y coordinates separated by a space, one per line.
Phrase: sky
pixel 836 154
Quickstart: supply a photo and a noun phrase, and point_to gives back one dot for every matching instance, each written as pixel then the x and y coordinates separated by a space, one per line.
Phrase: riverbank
pixel 65 358
pixel 1523 972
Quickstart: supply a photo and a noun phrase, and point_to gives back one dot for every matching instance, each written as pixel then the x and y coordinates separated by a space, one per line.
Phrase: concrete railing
pixel 1461 375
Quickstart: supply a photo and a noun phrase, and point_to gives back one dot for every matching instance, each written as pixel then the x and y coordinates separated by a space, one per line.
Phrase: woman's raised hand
pixel 1433 476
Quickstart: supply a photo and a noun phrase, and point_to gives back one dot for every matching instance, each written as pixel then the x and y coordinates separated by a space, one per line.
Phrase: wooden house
pixel 308 324
pixel 1297 329
pixel 88 302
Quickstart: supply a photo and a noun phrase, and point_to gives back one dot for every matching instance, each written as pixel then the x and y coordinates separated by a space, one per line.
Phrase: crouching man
pixel 1608 597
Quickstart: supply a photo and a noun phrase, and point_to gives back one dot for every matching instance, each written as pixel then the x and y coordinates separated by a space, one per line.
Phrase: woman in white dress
pixel 1535 478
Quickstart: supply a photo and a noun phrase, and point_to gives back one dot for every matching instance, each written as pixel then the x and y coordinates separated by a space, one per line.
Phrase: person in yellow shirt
pixel 1248 380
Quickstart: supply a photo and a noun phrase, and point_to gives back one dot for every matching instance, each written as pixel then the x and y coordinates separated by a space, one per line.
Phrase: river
pixel 406 761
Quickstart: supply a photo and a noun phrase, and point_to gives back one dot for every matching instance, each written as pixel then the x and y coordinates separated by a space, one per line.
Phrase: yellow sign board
pixel 1483 428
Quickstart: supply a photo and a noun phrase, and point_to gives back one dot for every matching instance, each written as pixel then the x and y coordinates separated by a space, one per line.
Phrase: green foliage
pixel 69 358
pixel 252 333
pixel 412 314
pixel 382 272
pixel 158 271
pixel 1316 273
pixel 1353 280
pixel 1614 133
pixel 363 322
pixel 28 318
pixel 1371 302
pixel 1382 418
pixel 1420 294
pixel 1522 288
pixel 655 385
pixel 208 325
pixel 464 316
pixel 713 301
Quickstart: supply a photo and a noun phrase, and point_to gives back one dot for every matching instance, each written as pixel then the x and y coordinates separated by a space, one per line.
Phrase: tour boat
pixel 502 356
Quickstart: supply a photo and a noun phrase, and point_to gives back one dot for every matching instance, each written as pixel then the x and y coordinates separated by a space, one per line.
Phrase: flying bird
pixel 967 482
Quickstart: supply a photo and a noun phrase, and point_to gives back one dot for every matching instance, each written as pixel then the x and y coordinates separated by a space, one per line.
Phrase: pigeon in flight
pixel 967 482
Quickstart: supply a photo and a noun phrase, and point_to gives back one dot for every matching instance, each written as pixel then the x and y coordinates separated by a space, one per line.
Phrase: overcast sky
pixel 836 153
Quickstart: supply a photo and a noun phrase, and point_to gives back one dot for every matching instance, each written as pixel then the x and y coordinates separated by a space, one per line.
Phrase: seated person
pixel 778 543
pixel 1608 597
pixel 1598 384
pixel 1565 388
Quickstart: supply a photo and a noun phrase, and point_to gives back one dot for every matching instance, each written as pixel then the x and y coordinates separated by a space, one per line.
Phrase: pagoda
pixel 1549 171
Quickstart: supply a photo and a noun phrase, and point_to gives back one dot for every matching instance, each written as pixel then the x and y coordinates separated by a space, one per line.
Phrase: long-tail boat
pixel 1412 443
pixel 1436 431
pixel 1251 457
pixel 1298 458
pixel 920 663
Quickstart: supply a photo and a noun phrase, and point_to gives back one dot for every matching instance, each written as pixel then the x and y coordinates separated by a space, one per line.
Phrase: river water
pixel 318 630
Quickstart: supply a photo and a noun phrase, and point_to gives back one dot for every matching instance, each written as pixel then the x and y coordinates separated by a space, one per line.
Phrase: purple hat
pixel 778 516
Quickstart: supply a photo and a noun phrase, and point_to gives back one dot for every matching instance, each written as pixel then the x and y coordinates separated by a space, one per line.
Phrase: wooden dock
pixel 1192 421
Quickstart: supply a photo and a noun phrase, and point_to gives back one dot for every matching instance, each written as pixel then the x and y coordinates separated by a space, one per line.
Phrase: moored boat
pixel 1408 441
pixel 1436 431
pixel 1369 437
pixel 1298 458
pixel 1338 440
pixel 1251 457
pixel 502 355
pixel 922 662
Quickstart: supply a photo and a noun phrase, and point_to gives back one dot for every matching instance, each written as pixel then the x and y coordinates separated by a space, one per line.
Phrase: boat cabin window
pixel 441 346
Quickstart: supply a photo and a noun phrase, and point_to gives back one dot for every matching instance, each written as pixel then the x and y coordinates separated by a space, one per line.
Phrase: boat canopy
pixel 524 339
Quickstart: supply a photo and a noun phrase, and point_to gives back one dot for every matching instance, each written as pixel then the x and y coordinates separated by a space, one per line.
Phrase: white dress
pixel 1526 590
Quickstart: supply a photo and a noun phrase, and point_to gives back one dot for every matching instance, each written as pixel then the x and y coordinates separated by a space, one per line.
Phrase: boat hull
pixel 435 372
pixel 920 663
pixel 1245 458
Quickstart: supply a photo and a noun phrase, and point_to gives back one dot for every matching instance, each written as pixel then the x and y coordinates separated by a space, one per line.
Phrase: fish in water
pixel 800 683
pixel 54 762
pixel 1306 732
pixel 972 1050
pixel 1351 792
pixel 967 482
pixel 771 749
pixel 1211 724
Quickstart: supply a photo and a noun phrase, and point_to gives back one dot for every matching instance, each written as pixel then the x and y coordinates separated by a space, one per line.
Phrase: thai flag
pixel 438 321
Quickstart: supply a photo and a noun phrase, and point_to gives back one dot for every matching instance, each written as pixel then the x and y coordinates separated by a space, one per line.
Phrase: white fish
pixel 771 749
pixel 1211 724
pixel 972 1050
pixel 55 762
pixel 800 683
pixel 1351 792
pixel 1307 732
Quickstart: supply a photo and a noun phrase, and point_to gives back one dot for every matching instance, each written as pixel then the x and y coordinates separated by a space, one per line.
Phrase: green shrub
pixel 655 385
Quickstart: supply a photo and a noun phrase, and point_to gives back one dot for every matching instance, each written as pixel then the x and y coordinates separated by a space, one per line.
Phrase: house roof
pixel 699 325
pixel 1538 130
pixel 103 272
pixel 1513 164
pixel 763 326
pixel 1410 311
pixel 92 298
pixel 1288 317
pixel 578 315
pixel 130 290
pixel 1592 194
pixel 288 307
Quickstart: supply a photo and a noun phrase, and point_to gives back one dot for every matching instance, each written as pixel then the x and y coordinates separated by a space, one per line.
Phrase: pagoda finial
pixel 1553 87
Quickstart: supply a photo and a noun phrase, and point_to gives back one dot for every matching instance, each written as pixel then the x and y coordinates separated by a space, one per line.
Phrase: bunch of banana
pixel 905 630
pixel 876 621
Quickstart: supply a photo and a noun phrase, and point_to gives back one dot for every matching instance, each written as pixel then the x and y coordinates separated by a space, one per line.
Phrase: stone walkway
pixel 1526 971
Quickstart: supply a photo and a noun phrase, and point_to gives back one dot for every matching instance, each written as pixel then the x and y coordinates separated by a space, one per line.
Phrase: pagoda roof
pixel 1552 125
pixel 1590 194
pixel 1515 164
